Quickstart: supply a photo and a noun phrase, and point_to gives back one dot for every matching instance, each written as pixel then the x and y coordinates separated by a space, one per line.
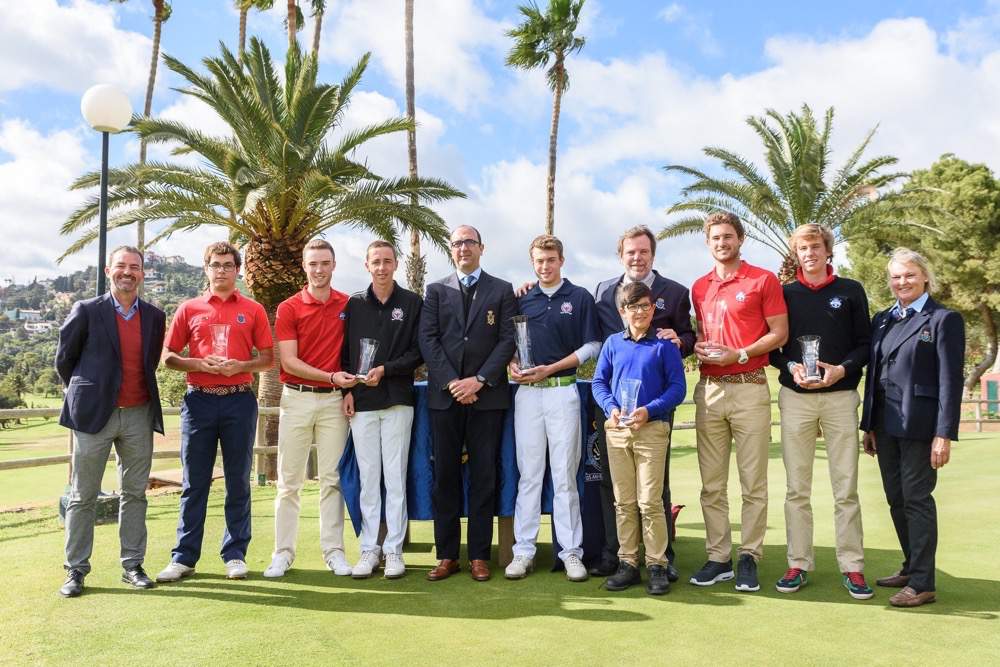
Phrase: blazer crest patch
pixel 491 319
pixel 660 304
pixel 925 336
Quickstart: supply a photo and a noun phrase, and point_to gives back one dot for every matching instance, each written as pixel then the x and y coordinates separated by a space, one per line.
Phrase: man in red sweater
pixel 108 350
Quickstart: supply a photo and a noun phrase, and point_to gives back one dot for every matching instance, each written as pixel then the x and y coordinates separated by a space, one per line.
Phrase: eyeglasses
pixel 467 243
pixel 220 268
pixel 639 307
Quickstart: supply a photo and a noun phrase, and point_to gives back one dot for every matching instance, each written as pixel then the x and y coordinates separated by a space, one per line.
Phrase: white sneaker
pixel 366 566
pixel 338 564
pixel 394 566
pixel 236 569
pixel 519 567
pixel 575 569
pixel 279 565
pixel 174 572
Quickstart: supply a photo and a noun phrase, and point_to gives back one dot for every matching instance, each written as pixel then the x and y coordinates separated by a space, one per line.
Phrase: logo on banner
pixel 741 297
pixel 397 315
pixel 241 318
pixel 660 305
pixel 566 308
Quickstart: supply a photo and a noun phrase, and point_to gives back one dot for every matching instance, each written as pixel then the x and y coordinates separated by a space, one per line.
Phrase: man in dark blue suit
pixel 913 400
pixel 466 337
pixel 671 320
pixel 109 347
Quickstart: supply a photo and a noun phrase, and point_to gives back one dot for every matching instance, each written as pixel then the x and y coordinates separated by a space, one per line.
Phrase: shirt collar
pixel 370 293
pixel 120 309
pixel 477 273
pixel 648 280
pixel 917 306
pixel 235 296
pixel 627 334
pixel 562 290
pixel 739 273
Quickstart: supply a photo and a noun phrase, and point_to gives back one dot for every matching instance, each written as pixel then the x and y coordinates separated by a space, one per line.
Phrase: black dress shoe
pixel 137 578
pixel 73 585
pixel 672 573
pixel 626 576
pixel 605 567
pixel 659 580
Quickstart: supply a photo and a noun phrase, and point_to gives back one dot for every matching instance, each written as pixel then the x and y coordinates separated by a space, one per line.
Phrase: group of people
pixel 347 364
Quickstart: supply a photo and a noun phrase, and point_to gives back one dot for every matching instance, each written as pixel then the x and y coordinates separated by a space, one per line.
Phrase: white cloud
pixel 693 28
pixel 449 36
pixel 69 47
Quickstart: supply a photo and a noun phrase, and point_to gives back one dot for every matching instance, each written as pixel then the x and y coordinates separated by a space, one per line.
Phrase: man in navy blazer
pixel 913 399
pixel 671 320
pixel 466 337
pixel 109 347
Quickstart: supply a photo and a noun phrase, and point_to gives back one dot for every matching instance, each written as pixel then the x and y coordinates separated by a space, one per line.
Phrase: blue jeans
pixel 206 422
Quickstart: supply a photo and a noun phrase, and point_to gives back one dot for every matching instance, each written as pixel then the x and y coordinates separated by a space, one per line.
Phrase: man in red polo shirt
pixel 310 331
pixel 220 329
pixel 741 317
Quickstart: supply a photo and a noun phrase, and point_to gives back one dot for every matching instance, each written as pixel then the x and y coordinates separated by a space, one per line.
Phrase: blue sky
pixel 657 81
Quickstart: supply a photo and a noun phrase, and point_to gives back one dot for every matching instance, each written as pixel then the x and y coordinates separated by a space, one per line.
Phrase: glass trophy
pixel 525 362
pixel 628 398
pixel 220 340
pixel 369 346
pixel 715 325
pixel 810 356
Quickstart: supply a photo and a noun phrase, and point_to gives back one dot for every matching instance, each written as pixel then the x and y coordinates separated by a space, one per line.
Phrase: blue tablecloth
pixel 420 475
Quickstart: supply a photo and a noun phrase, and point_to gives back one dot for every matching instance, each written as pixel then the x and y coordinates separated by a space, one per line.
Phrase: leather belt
pixel 310 388
pixel 563 381
pixel 756 376
pixel 222 389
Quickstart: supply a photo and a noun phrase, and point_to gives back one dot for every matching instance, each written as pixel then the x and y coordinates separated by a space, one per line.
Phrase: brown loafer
pixel 444 569
pixel 480 570
pixel 894 580
pixel 910 598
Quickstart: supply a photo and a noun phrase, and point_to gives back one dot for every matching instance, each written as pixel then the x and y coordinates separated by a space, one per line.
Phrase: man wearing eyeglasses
pixel 466 337
pixel 221 330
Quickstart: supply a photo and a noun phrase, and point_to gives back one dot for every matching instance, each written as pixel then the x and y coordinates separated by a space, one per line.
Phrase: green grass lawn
pixel 312 617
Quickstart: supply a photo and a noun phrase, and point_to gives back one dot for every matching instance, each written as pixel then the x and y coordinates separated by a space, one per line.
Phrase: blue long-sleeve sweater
pixel 656 362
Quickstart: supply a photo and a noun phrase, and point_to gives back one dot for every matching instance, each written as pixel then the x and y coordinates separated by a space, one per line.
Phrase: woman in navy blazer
pixel 913 395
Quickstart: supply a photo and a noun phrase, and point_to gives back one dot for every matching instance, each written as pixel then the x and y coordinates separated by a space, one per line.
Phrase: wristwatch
pixel 791 367
pixel 743 358
pixel 481 379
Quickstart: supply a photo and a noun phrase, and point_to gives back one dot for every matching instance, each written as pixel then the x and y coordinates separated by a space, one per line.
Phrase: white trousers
pixel 547 419
pixel 382 448
pixel 307 418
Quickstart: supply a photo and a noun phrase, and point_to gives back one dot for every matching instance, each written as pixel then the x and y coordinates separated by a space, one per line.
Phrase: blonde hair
pixel 907 256
pixel 810 231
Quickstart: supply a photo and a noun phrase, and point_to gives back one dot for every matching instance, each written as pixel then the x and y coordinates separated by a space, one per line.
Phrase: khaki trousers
pixel 307 418
pixel 837 413
pixel 637 460
pixel 728 414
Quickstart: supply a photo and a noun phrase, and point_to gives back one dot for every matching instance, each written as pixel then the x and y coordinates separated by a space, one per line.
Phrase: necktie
pixel 469 281
pixel 902 314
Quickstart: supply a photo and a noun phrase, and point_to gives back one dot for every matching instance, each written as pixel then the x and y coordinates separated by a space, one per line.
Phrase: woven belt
pixel 563 381
pixel 757 376
pixel 222 389
pixel 309 388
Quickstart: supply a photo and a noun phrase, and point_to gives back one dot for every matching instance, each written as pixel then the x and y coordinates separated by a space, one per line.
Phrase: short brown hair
pixel 222 248
pixel 380 243
pixel 546 242
pixel 130 249
pixel 632 293
pixel 724 218
pixel 319 244
pixel 810 231
pixel 635 232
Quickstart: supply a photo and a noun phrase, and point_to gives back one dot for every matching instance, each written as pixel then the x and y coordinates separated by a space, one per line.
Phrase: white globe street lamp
pixel 106 109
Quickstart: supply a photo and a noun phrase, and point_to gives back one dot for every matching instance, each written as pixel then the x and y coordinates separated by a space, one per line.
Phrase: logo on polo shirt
pixel 343 315
pixel 241 318
pixel 566 308
pixel 741 297
pixel 397 315
pixel 836 303
pixel 660 305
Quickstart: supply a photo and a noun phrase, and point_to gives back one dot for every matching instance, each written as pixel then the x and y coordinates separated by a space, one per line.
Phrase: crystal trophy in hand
pixel 628 399
pixel 366 357
pixel 220 340
pixel 715 325
pixel 525 362
pixel 810 357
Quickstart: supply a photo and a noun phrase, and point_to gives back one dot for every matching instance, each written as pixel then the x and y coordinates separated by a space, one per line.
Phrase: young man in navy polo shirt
pixel 638 439
pixel 562 329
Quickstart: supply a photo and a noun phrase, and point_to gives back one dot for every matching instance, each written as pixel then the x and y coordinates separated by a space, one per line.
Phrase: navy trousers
pixel 206 422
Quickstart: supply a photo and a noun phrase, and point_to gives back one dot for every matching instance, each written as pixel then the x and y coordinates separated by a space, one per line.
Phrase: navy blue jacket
pixel 88 360
pixel 672 309
pixel 921 371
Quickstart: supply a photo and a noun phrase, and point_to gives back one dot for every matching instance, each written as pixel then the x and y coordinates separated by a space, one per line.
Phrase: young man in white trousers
pixel 561 322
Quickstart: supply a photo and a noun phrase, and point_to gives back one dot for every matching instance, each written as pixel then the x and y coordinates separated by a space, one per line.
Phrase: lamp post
pixel 107 110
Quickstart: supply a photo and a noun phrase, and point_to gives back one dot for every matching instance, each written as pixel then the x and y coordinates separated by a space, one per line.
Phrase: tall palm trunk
pixel 243 28
pixel 550 210
pixel 292 24
pixel 147 108
pixel 415 265
pixel 317 29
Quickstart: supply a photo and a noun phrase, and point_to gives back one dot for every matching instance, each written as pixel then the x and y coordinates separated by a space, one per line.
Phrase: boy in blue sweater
pixel 637 441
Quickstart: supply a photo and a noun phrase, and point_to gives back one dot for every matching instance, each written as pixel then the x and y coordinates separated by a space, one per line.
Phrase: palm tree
pixel 279 180
pixel 801 188
pixel 245 6
pixel 416 267
pixel 318 9
pixel 292 22
pixel 537 39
